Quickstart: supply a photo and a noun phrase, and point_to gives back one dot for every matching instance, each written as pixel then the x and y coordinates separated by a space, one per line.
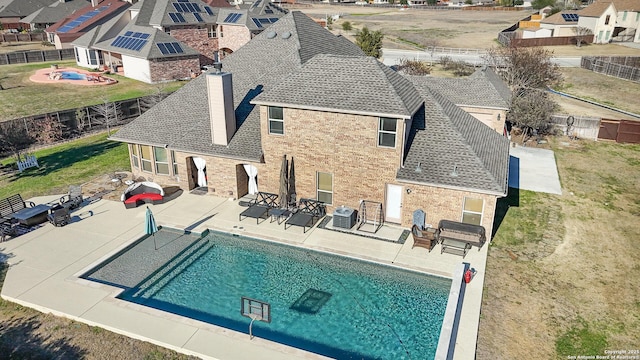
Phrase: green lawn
pixel 21 97
pixel 71 163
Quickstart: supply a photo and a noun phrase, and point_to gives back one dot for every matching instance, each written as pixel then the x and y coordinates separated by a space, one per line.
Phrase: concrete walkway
pixel 533 169
pixel 46 263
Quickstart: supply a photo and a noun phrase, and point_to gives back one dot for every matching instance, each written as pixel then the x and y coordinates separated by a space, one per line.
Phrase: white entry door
pixel 393 201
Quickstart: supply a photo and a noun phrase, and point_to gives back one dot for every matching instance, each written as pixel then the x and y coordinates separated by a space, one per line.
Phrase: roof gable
pixel 349 84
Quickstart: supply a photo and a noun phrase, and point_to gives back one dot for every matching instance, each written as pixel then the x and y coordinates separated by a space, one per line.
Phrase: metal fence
pixel 623 67
pixel 23 57
pixel 73 123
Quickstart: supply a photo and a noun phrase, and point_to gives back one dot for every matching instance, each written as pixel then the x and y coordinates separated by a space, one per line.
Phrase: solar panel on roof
pixel 273 19
pixel 131 41
pixel 177 17
pixel 257 22
pixel 178 7
pixel 183 0
pixel 198 17
pixel 196 7
pixel 236 18
pixel 208 9
pixel 178 47
pixel 170 48
pixel 268 11
pixel 81 19
pixel 163 49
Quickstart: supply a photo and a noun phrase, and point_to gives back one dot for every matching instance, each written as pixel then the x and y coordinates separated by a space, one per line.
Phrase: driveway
pixel 533 169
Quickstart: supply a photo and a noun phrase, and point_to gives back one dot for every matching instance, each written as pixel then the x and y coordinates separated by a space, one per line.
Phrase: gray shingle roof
pixel 482 89
pixel 182 120
pixel 22 8
pixel 349 84
pixel 150 50
pixel 53 13
pixel 444 136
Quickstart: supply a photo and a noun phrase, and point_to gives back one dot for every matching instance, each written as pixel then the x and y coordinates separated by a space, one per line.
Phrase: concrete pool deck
pixel 45 265
pixel 45 76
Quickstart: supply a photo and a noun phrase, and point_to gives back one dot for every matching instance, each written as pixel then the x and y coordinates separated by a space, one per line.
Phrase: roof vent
pixel 271 34
pixel 419 168
pixel 286 35
pixel 454 173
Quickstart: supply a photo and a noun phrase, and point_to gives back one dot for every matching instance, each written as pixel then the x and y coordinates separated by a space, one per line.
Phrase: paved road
pixel 392 57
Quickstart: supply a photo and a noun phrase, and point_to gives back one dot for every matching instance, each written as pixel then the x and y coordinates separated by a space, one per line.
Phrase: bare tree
pixel 581 31
pixel 414 67
pixel 49 130
pixel 524 68
pixel 109 112
pixel 156 95
pixel 14 137
pixel 528 72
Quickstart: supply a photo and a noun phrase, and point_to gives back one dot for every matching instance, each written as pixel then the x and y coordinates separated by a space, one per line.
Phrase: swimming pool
pixel 330 305
pixel 72 75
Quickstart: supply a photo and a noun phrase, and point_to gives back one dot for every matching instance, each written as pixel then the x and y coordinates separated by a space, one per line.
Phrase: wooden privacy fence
pixel 623 67
pixel 23 57
pixel 510 38
pixel 583 127
pixel 622 131
pixel 23 37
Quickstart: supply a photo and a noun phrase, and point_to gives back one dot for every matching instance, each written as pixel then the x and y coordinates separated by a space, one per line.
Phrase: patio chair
pixel 423 237
pixel 7 228
pixel 309 213
pixel 73 199
pixel 259 208
pixel 59 216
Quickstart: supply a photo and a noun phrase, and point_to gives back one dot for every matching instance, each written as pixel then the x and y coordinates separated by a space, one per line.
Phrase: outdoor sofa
pixel 142 192
pixel 457 237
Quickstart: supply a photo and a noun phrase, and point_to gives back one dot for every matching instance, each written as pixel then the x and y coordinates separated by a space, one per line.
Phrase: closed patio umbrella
pixel 284 183
pixel 150 226
pixel 292 183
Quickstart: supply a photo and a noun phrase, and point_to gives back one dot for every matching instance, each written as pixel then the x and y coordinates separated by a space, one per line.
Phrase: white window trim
pixel 464 200
pixel 136 157
pixel 395 133
pixel 275 120
pixel 324 191
pixel 151 161
pixel 174 163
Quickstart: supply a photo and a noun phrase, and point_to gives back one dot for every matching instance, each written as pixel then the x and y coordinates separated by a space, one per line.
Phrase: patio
pixel 46 263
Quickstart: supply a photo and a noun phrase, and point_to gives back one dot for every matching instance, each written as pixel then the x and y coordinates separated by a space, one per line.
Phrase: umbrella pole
pixel 155 245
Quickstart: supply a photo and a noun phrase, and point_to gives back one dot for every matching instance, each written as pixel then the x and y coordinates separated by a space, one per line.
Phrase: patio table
pixel 279 215
pixel 33 215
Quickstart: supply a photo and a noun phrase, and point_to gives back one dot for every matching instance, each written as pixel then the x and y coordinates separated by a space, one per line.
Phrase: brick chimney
pixel 222 114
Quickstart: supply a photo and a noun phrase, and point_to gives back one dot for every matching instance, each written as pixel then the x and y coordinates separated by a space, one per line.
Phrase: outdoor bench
pixel 142 192
pixel 13 204
pixel 457 237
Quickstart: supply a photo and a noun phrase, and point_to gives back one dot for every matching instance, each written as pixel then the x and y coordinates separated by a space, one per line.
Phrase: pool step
pixel 159 279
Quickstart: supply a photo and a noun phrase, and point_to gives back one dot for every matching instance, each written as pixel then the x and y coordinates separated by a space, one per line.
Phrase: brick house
pixel 156 41
pixel 356 130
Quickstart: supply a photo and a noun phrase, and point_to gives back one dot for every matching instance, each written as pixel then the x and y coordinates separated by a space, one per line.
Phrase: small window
pixel 325 187
pixel 472 211
pixel 606 20
pixel 75 50
pixel 162 163
pixel 145 152
pixel 173 161
pixel 220 31
pixel 387 132
pixel 212 31
pixel 276 120
pixel 134 156
pixel 624 16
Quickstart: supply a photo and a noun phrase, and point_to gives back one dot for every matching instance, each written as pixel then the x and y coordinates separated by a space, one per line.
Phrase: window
pixel 276 120
pixel 325 187
pixel 134 156
pixel 145 152
pixel 162 163
pixel 387 132
pixel 472 211
pixel 638 16
pixel 92 58
pixel 75 50
pixel 220 31
pixel 212 31
pixel 606 37
pixel 606 20
pixel 173 161
pixel 624 16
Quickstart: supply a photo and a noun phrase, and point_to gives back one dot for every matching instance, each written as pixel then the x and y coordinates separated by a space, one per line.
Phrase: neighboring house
pixel 49 15
pixel 166 40
pixel 561 24
pixel 617 20
pixel 356 130
pixel 12 11
pixel 64 32
pixel 483 95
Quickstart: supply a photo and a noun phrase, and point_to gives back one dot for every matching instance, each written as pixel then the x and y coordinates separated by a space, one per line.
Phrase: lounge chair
pixel 59 216
pixel 309 213
pixel 423 237
pixel 74 198
pixel 259 208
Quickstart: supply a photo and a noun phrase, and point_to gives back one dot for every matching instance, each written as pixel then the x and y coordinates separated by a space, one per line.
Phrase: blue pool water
pixel 330 305
pixel 72 75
